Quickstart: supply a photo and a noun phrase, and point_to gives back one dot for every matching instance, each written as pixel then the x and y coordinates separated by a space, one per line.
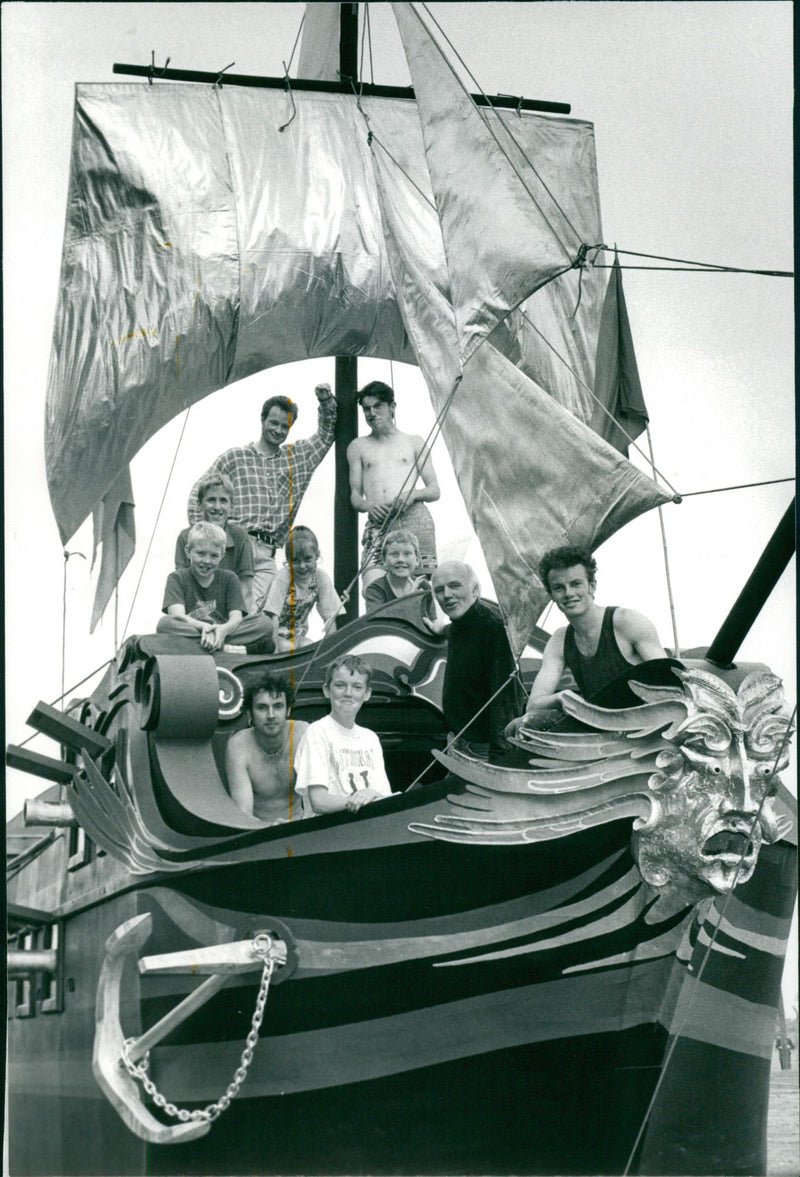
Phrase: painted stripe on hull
pixel 202 920
pixel 613 1001
pixel 711 1015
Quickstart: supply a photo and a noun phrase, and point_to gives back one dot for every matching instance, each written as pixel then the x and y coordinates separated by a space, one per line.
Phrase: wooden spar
pixel 345 518
pixel 368 89
pixel 235 957
pixel 753 597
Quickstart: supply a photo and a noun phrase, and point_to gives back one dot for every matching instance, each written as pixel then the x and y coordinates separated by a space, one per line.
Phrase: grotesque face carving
pixel 711 807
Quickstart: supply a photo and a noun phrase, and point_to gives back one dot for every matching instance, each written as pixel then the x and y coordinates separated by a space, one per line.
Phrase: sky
pixel 692 106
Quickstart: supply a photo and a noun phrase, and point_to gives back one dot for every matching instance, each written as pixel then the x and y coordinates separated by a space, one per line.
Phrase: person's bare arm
pixel 544 693
pixel 429 491
pixel 357 499
pixel 178 609
pixel 323 801
pixel 239 783
pixel 640 632
pixel 215 636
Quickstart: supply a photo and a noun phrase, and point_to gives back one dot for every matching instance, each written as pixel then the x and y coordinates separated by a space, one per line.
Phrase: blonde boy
pixel 339 764
pixel 205 601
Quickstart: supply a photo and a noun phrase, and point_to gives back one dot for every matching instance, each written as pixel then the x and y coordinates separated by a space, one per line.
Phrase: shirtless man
pixel 598 645
pixel 259 760
pixel 386 466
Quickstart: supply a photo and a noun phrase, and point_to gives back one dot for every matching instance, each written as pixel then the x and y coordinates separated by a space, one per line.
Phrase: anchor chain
pixel 262 948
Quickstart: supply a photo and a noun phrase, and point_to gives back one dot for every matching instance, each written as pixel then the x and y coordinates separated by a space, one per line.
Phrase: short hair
pixel 557 559
pixel 400 536
pixel 203 532
pixel 272 681
pixel 284 404
pixel 469 572
pixel 352 663
pixel 299 535
pixel 377 388
pixel 210 481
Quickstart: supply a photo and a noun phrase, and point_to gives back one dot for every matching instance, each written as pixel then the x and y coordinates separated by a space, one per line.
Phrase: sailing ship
pixel 495 970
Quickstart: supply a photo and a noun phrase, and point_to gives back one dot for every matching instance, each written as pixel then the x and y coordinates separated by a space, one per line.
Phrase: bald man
pixel 479 696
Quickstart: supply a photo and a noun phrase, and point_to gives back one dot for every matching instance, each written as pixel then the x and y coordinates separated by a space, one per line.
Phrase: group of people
pixel 227 591
pixel 328 766
pixel 251 495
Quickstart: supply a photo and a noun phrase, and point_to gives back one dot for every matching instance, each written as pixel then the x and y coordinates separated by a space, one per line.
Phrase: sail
pixel 213 233
pixel 203 244
pixel 115 531
pixel 319 44
pixel 620 412
pixel 533 475
pixel 505 230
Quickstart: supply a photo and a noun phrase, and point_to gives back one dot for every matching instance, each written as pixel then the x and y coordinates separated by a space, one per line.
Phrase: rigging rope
pixel 741 486
pixel 706 957
pixel 702 267
pixel 366 38
pixel 155 524
pixel 596 399
pixel 670 597
pixel 514 673
pixel 296 40
pixel 64 694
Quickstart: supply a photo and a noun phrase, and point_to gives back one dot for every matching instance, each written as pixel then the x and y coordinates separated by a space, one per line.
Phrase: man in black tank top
pixel 597 645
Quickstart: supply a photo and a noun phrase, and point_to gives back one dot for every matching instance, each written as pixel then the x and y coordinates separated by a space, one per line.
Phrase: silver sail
pixel 212 233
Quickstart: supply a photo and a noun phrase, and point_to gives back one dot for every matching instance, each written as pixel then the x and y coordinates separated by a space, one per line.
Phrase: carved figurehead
pixel 695 765
pixel 712 807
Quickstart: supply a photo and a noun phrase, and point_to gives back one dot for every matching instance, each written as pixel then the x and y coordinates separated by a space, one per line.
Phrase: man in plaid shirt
pixel 270 479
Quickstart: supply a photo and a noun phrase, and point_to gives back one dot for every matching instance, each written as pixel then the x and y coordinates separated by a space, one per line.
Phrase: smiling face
pixel 377 413
pixel 347 690
pixel 400 560
pixel 275 427
pixel 269 714
pixel 455 588
pixel 216 506
pixel 303 560
pixel 571 589
pixel 205 557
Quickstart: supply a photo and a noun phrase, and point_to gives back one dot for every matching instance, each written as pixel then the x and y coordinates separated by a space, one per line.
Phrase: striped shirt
pixel 268 488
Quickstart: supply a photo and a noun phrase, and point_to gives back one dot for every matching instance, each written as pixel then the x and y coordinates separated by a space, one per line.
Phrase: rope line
pixel 598 402
pixel 706 957
pixel 397 506
pixel 373 138
pixel 155 524
pixel 296 40
pixel 366 39
pixel 64 694
pixel 698 270
pixel 665 551
pixel 741 486
pixel 711 267
pixel 514 673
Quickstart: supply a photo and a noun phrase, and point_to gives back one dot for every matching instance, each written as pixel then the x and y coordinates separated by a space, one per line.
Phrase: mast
pixel 345 518
pixel 753 597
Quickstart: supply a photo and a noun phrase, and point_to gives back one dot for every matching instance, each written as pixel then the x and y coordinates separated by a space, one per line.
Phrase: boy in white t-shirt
pixel 339 764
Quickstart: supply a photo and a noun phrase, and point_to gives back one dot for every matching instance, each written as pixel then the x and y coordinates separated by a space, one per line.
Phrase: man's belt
pixel 263 537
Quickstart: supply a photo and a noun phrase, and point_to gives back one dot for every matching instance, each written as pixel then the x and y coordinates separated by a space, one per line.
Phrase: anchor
pixel 110 1045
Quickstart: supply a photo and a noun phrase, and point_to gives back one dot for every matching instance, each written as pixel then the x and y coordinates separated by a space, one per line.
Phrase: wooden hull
pixel 451 1010
pixel 446 1007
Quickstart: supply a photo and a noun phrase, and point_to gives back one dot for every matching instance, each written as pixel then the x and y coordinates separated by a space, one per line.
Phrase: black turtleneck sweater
pixel 479 660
